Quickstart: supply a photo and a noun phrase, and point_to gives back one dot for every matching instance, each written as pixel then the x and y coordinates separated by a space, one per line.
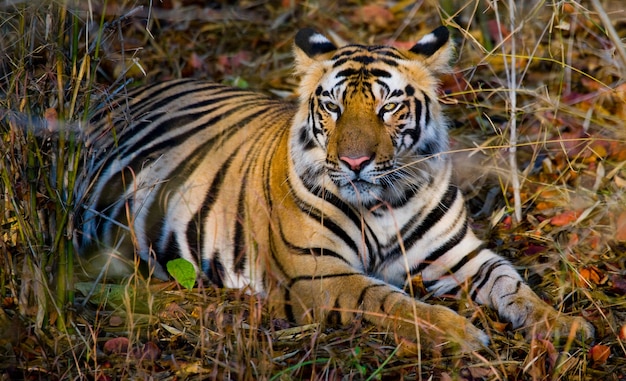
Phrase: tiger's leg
pixel 340 294
pixel 494 282
pixel 519 304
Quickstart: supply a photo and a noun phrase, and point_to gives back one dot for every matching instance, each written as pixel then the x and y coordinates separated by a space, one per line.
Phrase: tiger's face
pixel 369 117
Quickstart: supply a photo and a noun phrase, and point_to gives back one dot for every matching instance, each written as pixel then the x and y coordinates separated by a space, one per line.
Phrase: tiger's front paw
pixel 440 329
pixel 553 324
pixel 539 319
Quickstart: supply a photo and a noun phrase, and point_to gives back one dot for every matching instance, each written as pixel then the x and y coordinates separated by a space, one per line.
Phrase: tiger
pixel 329 206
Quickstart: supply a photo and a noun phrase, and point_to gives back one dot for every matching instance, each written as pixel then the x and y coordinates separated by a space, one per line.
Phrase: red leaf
pixel 150 351
pixel 118 345
pixel 533 249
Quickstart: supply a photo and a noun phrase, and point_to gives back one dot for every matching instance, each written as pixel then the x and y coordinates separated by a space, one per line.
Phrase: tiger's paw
pixel 552 324
pixel 439 329
pixel 539 319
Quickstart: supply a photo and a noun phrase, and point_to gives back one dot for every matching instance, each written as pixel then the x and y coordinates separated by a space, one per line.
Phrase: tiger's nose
pixel 356 164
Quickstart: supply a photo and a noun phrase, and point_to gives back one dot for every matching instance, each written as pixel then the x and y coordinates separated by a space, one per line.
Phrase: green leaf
pixel 183 272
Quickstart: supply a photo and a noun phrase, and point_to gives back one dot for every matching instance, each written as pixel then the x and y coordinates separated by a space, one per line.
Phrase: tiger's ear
pixel 435 50
pixel 310 47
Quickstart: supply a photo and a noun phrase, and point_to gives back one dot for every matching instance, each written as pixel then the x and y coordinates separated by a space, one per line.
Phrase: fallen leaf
pixel 149 351
pixel 533 249
pixel 118 345
pixel 565 218
pixel 599 353
pixel 499 326
pixel 593 275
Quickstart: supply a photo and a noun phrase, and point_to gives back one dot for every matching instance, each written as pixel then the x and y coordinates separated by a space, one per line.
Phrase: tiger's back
pixel 183 154
pixel 330 206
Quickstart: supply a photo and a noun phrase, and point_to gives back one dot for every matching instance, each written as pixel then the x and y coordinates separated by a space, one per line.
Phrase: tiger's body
pixel 330 206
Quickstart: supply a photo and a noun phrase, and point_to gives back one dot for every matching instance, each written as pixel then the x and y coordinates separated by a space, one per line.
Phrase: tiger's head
pixel 369 119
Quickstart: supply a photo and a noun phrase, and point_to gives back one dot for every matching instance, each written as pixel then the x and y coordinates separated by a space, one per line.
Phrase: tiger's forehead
pixel 366 55
pixel 367 69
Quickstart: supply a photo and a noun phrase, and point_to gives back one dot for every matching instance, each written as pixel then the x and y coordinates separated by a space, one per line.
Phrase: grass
pixel 60 59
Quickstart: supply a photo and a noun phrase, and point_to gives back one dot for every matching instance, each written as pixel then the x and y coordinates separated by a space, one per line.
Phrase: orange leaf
pixel 593 275
pixel 599 353
pixel 543 205
pixel 565 218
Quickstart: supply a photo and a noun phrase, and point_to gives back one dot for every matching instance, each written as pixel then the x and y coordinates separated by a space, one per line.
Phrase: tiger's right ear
pixel 435 50
pixel 310 47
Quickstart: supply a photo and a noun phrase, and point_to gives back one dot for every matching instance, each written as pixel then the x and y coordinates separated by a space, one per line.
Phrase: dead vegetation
pixel 565 60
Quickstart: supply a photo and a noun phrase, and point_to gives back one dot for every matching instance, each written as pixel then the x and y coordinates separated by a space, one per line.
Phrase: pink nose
pixel 356 164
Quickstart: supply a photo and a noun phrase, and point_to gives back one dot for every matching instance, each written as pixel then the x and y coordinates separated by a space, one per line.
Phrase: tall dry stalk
pixel 512 86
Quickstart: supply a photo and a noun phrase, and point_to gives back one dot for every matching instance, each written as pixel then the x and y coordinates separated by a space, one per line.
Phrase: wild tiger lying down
pixel 330 206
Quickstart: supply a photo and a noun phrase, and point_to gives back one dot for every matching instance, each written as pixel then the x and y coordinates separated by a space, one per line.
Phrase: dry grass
pixel 59 59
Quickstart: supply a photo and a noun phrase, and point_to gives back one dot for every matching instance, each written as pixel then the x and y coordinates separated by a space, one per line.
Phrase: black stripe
pixel 193 234
pixel 321 277
pixel 364 292
pixel 379 73
pixel 436 254
pixel 215 270
pixel 239 238
pixel 433 217
pixel 411 234
pixel 428 284
pixel 468 257
pixel 333 317
pixel 315 251
pixel 486 270
pixel 171 251
pixel 384 300
pixel 515 292
pixel 326 222
pixel 348 73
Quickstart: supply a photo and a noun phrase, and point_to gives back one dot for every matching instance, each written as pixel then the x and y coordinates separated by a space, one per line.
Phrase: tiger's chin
pixel 361 193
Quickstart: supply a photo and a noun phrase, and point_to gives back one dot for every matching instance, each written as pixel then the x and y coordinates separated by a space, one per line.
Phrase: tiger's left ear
pixel 310 47
pixel 436 50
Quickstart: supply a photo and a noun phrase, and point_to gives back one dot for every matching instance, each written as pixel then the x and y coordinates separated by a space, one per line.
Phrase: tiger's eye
pixel 390 106
pixel 331 107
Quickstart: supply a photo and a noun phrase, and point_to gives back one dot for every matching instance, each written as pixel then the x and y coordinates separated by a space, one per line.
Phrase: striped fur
pixel 330 207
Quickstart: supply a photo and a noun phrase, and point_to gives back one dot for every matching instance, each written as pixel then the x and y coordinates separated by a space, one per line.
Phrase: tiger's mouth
pixel 358 190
